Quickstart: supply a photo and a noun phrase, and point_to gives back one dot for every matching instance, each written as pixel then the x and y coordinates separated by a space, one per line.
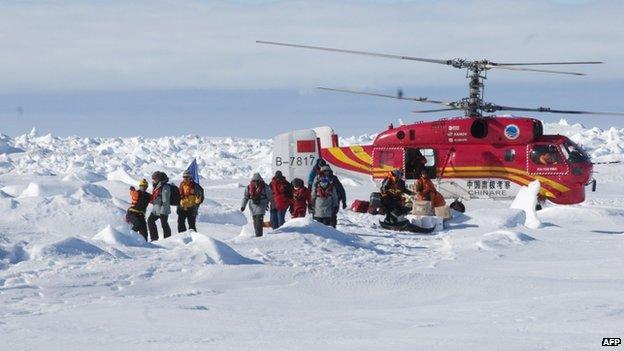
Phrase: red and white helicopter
pixel 474 156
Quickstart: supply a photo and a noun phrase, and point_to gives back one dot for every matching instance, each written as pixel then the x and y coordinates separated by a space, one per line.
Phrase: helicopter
pixel 474 156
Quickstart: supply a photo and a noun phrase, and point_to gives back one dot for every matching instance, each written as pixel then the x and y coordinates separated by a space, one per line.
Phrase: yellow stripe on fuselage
pixel 340 155
pixel 359 152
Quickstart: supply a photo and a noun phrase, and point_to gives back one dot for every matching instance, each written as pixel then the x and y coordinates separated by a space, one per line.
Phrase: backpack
pixel 174 195
pixel 256 192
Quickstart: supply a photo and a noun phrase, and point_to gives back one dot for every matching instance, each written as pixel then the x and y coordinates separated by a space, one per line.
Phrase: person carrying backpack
pixel 300 200
pixel 191 196
pixel 282 195
pixel 324 197
pixel 136 213
pixel 315 172
pixel 161 205
pixel 258 195
pixel 342 196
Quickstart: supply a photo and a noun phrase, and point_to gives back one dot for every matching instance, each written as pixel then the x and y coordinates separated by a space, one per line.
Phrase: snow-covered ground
pixel 72 276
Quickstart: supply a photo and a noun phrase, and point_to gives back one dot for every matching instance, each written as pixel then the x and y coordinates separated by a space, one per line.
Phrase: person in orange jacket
pixel 191 196
pixel 426 191
pixel 136 213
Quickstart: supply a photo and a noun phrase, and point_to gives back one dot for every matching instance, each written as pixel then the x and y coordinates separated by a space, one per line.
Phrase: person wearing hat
pixel 191 196
pixel 315 172
pixel 342 195
pixel 282 196
pixel 258 195
pixel 324 196
pixel 392 190
pixel 139 199
pixel 161 205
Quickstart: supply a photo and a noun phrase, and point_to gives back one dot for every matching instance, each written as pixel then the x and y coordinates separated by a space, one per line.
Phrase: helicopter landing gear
pixel 458 206
pixel 541 200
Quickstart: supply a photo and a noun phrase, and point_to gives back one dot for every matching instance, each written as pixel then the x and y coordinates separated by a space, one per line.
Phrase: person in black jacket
pixel 136 213
pixel 342 197
pixel 392 190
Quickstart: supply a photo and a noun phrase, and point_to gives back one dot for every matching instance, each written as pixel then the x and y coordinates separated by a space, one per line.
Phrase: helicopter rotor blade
pixel 514 68
pixel 398 96
pixel 546 63
pixel 549 110
pixel 436 110
pixel 366 53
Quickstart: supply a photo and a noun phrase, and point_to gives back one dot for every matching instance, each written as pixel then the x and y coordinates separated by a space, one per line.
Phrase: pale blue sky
pixel 177 67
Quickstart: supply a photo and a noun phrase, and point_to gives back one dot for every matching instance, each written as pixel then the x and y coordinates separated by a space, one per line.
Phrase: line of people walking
pixel 322 198
pixel 187 198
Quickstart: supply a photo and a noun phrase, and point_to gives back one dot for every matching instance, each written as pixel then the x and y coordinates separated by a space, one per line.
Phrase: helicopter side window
pixel 386 158
pixel 545 155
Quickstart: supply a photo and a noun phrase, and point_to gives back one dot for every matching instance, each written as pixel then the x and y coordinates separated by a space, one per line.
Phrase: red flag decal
pixel 306 145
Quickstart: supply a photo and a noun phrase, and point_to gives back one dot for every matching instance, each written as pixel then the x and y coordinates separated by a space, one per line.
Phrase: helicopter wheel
pixel 458 206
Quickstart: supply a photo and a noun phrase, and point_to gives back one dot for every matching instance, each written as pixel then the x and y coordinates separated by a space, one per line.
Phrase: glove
pixel 344 205
pixel 242 209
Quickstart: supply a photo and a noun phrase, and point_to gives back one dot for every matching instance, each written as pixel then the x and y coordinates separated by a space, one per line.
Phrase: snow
pixel 73 274
pixel 526 200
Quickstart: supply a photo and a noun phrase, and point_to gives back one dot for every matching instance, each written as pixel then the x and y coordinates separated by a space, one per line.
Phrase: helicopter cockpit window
pixel 573 153
pixel 545 155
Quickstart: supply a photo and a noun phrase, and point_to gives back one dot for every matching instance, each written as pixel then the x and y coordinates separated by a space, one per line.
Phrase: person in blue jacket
pixel 315 171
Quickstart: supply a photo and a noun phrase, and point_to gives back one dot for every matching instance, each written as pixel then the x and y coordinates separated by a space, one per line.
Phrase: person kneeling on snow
pixel 136 213
pixel 426 191
pixel 259 197
pixel 392 190
pixel 191 196
pixel 324 198
pixel 282 193
pixel 161 205
pixel 300 200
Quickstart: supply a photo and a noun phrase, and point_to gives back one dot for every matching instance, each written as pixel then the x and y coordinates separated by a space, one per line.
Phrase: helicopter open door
pixel 417 160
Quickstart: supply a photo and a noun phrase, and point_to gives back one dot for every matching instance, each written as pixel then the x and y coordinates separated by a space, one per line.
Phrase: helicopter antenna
pixel 476 72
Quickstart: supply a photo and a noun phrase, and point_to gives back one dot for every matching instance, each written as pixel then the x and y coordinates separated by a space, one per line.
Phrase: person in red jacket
pixel 426 191
pixel 282 195
pixel 300 200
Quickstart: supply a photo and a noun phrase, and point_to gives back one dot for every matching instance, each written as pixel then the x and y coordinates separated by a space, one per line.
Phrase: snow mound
pixel 212 212
pixel 6 203
pixel 13 254
pixel 503 239
pixel 32 190
pixel 206 249
pixel 68 247
pixel 83 175
pixel 497 217
pixel 120 237
pixel 93 190
pixel 121 176
pixel 308 226
pixel 526 200
pixel 6 147
pixel 219 252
